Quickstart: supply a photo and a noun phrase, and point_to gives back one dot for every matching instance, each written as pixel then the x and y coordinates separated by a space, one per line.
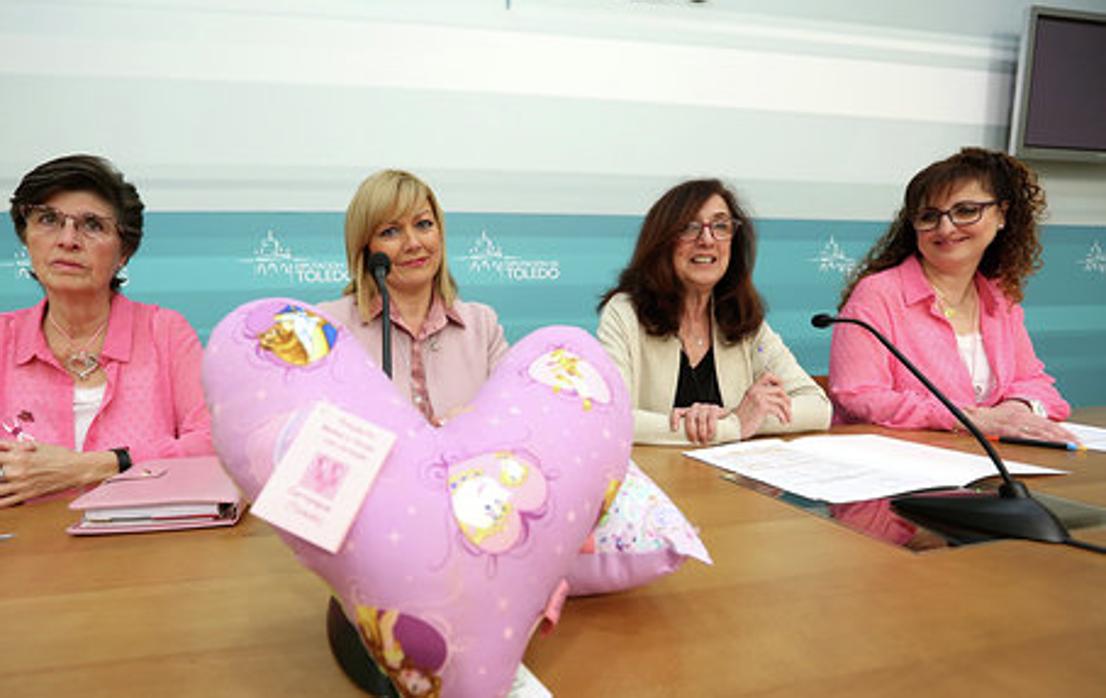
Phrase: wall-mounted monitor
pixel 1059 110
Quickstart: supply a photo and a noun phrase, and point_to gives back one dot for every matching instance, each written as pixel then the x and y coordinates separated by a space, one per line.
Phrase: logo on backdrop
pixel 20 264
pixel 833 258
pixel 272 258
pixel 486 257
pixel 1095 259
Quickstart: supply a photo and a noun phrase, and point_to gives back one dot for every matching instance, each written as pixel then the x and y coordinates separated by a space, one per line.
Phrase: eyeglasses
pixel 720 229
pixel 47 219
pixel 962 213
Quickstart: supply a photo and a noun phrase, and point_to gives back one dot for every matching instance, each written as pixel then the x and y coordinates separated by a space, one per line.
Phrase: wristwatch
pixel 123 457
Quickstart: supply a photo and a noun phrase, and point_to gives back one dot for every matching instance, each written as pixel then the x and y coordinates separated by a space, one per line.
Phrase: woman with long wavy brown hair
pixel 685 325
pixel 944 283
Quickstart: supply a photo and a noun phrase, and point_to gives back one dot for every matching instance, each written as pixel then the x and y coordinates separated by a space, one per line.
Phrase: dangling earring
pixel 121 274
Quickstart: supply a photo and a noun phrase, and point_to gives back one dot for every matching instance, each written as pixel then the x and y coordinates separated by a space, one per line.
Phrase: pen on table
pixel 1040 443
pixel 7 536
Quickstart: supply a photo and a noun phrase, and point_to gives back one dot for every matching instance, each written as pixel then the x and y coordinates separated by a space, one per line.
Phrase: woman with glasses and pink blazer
pixel 89 380
pixel 685 325
pixel 944 284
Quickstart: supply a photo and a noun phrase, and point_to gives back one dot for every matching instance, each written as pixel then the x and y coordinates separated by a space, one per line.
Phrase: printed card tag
pixel 317 488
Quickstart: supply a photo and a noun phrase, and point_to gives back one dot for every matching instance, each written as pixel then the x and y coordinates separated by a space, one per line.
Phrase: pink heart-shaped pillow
pixel 468 530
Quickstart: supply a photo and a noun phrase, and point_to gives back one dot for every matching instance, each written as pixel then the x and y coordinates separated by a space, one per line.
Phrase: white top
pixel 975 358
pixel 86 403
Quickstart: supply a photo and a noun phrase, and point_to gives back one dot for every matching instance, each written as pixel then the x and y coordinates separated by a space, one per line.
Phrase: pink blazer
pixel 153 403
pixel 868 385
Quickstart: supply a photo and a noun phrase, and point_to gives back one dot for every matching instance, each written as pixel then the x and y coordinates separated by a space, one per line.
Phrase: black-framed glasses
pixel 962 213
pixel 720 229
pixel 47 219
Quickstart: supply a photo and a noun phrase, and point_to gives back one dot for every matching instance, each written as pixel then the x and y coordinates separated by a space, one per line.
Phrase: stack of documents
pixel 160 495
pixel 853 468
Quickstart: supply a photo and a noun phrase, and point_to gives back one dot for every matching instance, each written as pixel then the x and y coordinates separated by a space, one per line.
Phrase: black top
pixel 698 384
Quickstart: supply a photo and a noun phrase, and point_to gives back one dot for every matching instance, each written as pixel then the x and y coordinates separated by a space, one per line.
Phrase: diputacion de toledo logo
pixel 485 257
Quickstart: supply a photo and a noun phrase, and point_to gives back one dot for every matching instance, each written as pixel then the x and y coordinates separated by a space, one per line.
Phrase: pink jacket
pixel 153 403
pixel 869 385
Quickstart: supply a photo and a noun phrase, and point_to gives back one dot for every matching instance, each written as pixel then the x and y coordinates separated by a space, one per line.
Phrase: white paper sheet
pixel 853 468
pixel 1091 437
pixel 526 685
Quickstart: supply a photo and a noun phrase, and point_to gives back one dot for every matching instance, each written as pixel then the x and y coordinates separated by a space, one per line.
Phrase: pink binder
pixel 160 495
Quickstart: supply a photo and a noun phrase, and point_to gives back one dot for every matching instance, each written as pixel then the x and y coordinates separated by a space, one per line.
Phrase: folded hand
pixel 764 397
pixel 700 421
pixel 32 469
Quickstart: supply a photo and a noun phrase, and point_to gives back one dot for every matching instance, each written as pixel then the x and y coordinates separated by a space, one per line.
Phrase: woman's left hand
pixel 700 421
pixel 1014 419
pixel 764 397
pixel 32 469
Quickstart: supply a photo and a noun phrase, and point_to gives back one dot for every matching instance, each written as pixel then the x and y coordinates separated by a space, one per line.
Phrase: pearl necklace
pixel 81 363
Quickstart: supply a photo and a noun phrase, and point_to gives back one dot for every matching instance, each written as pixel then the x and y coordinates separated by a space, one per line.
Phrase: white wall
pixel 815 110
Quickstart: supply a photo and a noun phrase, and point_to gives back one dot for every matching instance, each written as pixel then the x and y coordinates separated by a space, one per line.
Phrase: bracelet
pixel 123 456
pixel 1036 407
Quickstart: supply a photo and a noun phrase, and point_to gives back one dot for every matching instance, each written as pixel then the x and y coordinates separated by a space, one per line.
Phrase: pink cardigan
pixel 153 403
pixel 868 385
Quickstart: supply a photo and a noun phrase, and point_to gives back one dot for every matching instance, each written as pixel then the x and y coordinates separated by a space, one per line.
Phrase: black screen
pixel 1067 92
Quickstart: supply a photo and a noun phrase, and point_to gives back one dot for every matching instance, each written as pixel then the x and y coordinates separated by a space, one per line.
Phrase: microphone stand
pixel 1014 513
pixel 379 264
pixel 345 640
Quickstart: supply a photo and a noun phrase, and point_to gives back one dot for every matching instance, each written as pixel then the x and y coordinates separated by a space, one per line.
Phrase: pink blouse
pixel 153 402
pixel 869 385
pixel 445 364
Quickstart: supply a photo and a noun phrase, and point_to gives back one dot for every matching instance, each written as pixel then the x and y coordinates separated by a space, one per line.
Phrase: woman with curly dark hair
pixel 944 283
pixel 685 325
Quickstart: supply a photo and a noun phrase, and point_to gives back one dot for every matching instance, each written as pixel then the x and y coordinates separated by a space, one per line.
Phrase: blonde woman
pixel 443 348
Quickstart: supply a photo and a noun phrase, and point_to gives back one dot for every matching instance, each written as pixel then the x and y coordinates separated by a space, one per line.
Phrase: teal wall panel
pixel 538 270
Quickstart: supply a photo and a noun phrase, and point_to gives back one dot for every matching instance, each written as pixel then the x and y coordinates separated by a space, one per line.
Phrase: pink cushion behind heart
pixel 642 536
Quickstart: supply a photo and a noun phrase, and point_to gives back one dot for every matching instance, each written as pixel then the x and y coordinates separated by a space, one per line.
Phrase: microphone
pixel 378 265
pixel 1014 513
pixel 345 641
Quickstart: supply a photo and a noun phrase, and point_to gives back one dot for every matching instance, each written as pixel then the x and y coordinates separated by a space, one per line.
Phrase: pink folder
pixel 160 495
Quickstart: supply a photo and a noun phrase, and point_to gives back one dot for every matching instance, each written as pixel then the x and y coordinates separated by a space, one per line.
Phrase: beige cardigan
pixel 651 367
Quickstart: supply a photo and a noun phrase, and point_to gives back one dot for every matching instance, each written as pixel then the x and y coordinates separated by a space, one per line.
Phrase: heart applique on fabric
pixel 469 529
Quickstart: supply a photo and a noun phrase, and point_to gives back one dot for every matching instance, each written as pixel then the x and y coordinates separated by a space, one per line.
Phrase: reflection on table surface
pixel 794 604
pixel 877 518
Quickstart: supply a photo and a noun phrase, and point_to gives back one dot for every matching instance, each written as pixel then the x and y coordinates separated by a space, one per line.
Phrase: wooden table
pixel 793 606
